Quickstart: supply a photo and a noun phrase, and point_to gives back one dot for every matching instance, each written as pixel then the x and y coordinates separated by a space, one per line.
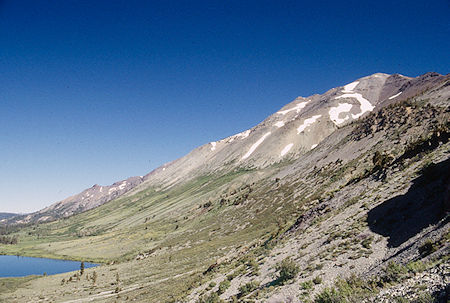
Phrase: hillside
pixel 289 133
pixel 6 215
pixel 340 197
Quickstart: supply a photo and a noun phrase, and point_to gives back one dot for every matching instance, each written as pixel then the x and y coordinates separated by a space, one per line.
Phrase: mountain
pixel 87 199
pixel 292 131
pixel 339 197
pixel 6 215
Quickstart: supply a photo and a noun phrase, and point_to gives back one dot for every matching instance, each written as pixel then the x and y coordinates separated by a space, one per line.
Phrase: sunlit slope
pixel 287 134
pixel 127 226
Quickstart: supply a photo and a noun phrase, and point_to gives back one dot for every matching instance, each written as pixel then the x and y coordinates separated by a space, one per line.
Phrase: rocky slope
pixel 267 216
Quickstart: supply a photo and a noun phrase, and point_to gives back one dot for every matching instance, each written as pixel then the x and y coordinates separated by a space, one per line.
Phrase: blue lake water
pixel 14 266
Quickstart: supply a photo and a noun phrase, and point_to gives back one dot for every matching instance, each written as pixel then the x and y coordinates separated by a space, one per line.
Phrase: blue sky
pixel 92 92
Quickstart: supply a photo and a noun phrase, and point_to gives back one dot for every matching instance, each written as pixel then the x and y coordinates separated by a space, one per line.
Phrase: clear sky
pixel 92 92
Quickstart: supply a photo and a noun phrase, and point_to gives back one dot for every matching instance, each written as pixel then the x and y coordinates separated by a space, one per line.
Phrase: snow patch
pixel 335 111
pixel 350 87
pixel 286 149
pixel 279 124
pixel 394 96
pixel 255 146
pixel 297 108
pixel 123 185
pixel 308 122
pixel 313 146
pixel 164 168
pixel 364 103
pixel 213 146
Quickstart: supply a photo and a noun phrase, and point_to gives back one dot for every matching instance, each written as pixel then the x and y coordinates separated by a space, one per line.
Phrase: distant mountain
pixel 6 215
pixel 87 199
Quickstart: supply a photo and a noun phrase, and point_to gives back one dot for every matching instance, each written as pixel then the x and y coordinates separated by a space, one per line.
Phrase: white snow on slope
pixel 279 124
pixel 297 108
pixel 394 96
pixel 313 146
pixel 335 111
pixel 213 146
pixel 308 122
pixel 255 146
pixel 123 185
pixel 350 87
pixel 364 103
pixel 286 149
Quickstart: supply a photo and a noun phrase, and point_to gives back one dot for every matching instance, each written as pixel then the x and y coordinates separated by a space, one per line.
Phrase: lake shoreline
pixel 13 266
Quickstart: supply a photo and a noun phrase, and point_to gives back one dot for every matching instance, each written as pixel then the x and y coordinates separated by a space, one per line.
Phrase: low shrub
pixel 427 248
pixel 416 267
pixel 223 286
pixel 329 295
pixel 394 273
pixel 317 280
pixel 248 288
pixel 351 290
pixel 212 298
pixel 287 269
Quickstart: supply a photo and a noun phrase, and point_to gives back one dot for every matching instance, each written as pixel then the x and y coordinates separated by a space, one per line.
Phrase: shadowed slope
pixel 425 203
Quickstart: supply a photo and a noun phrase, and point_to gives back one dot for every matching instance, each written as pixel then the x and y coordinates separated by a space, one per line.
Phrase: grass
pixel 11 284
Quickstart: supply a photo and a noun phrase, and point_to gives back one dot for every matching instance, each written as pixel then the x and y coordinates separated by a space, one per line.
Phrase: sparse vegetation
pixel 223 286
pixel 394 273
pixel 307 285
pixel 248 288
pixel 317 280
pixel 287 270
pixel 212 298
pixel 427 247
pixel 348 290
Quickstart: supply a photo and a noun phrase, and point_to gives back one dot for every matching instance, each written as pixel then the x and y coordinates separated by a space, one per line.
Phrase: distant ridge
pixel 7 215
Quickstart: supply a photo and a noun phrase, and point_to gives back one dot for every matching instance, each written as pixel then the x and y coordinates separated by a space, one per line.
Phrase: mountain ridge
pixel 301 125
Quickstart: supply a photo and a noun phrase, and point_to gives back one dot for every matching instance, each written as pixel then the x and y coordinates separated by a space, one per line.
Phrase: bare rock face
pixel 294 130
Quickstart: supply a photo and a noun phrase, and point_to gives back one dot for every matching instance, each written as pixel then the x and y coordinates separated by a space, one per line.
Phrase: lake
pixel 15 266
